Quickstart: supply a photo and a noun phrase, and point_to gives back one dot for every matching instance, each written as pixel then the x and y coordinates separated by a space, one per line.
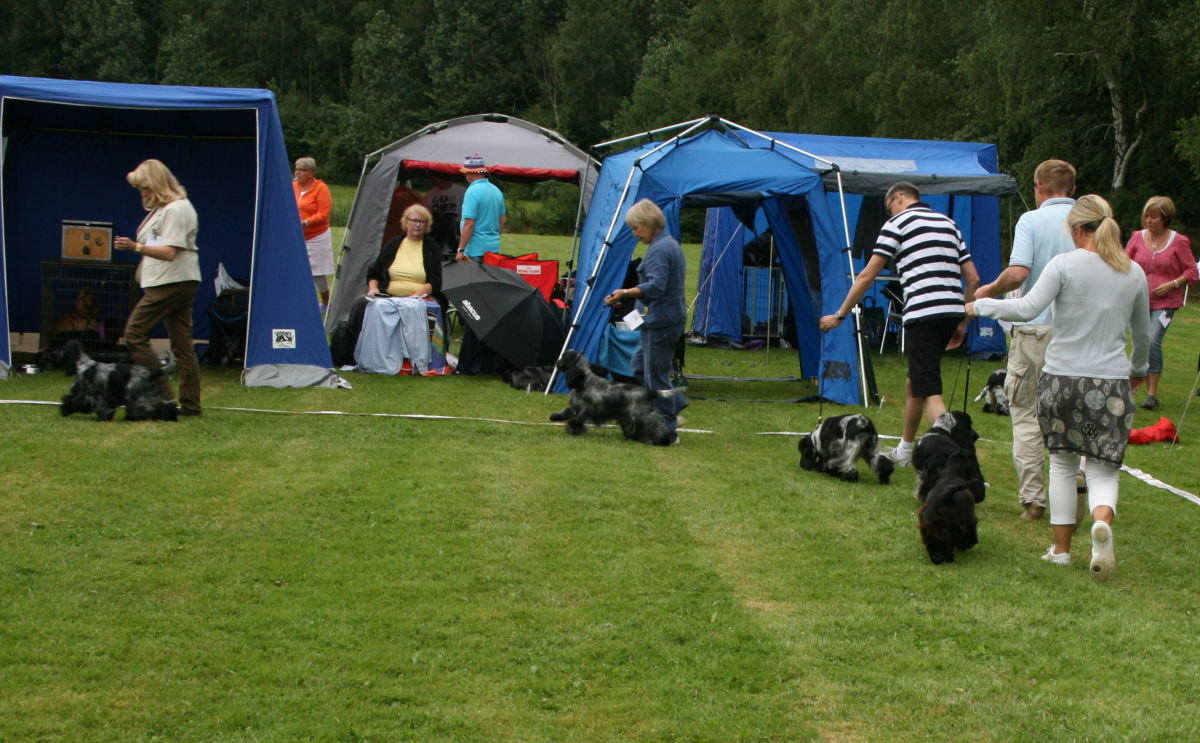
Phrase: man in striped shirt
pixel 933 263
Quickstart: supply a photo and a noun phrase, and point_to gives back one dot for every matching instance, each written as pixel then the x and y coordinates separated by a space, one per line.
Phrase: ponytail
pixel 1108 245
pixel 1093 215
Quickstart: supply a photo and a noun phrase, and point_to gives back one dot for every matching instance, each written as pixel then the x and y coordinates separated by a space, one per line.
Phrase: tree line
pixel 1109 85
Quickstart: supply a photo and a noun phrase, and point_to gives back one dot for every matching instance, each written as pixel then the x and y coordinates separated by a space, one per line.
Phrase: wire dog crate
pixel 87 301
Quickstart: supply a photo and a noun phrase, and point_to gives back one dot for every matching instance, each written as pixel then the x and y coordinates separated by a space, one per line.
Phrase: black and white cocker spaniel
pixel 101 388
pixel 995 399
pixel 596 400
pixel 836 444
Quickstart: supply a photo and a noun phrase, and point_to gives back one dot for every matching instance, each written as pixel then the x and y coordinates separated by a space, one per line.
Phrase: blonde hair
pixel 152 175
pixel 1163 205
pixel 1093 215
pixel 421 211
pixel 647 214
pixel 1057 177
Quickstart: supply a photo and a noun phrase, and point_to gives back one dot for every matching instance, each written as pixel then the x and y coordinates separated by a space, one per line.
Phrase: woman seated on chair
pixel 409 265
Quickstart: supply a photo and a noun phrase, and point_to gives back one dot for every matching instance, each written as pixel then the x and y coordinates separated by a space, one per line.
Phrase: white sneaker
pixel 1058 558
pixel 899 458
pixel 1103 560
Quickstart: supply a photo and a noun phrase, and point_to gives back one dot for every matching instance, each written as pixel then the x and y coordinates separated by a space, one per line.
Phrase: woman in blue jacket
pixel 661 300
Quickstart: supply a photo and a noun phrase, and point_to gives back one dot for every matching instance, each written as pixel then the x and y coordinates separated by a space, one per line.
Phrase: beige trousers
pixel 1026 356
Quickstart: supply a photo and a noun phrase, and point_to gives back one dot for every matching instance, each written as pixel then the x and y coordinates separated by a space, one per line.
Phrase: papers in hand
pixel 633 320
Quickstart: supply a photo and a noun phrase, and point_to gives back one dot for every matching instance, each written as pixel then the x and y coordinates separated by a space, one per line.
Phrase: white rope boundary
pixel 1132 471
pixel 417 416
pixel 1139 474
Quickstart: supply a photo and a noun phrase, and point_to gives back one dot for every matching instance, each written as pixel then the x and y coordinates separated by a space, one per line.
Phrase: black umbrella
pixel 506 313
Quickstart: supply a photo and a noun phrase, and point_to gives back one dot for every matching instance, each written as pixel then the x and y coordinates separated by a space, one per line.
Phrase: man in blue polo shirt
pixel 1040 235
pixel 483 213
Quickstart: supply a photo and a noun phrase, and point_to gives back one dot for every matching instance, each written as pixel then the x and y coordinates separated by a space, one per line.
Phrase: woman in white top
pixel 1085 393
pixel 170 275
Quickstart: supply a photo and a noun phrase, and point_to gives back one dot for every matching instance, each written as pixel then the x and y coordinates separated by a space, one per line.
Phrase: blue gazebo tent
pixel 67 146
pixel 715 162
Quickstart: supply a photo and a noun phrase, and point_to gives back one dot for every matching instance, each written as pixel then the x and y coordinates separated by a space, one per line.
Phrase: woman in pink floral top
pixel 1166 257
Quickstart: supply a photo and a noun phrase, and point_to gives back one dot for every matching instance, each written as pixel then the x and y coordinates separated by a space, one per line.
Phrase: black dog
pixel 950 433
pixel 947 516
pixel 835 445
pixel 596 400
pixel 995 399
pixel 101 388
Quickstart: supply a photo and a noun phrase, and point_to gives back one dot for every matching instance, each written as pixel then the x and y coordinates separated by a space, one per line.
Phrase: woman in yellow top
pixel 315 205
pixel 409 265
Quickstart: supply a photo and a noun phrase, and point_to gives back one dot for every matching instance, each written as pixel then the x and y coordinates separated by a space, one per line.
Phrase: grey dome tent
pixel 514 149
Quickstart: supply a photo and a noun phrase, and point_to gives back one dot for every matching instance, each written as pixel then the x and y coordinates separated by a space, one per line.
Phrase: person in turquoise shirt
pixel 483 213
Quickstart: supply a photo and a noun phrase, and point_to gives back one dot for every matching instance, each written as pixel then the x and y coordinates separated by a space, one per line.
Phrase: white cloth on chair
pixel 394 329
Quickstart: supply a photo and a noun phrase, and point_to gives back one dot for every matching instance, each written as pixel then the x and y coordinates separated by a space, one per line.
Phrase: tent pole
pixel 587 287
pixel 846 231
pixel 649 134
pixel 770 292
pixel 776 143
pixel 858 332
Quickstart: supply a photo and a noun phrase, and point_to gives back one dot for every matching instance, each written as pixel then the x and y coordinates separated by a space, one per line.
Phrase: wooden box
pixel 87 241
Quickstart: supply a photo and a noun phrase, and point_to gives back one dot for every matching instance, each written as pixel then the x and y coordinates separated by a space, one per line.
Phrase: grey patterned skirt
pixel 1090 416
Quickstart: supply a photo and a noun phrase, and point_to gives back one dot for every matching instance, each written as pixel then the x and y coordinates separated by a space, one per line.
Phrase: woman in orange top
pixel 315 204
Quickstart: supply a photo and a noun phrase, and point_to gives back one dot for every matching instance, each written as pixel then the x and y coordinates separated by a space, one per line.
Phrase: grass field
pixel 274 576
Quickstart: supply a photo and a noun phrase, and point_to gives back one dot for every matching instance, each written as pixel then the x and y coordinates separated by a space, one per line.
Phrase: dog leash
pixel 967 353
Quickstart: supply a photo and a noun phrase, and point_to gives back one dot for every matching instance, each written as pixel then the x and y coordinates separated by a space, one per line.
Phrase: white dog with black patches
pixel 995 399
pixel 837 443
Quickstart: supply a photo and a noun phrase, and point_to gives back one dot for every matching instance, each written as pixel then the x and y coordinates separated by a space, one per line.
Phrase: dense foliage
pixel 1107 84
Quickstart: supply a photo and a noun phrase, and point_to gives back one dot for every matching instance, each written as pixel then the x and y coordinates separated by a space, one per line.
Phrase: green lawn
pixel 260 576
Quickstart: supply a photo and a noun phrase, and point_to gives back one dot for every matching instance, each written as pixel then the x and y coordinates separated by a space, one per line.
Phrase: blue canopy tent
pixel 716 162
pixel 960 179
pixel 67 146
